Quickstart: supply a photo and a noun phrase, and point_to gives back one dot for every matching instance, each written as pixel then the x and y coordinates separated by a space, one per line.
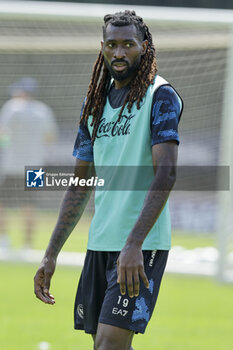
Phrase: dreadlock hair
pixel 100 80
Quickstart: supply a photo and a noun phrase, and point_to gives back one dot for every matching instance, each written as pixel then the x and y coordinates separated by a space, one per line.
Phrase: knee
pixel 109 344
pixel 112 338
pixel 105 343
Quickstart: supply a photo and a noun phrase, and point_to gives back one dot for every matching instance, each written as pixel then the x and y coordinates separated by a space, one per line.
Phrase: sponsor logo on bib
pixel 116 128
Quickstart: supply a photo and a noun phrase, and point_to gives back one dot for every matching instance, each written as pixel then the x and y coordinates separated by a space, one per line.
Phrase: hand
pixel 42 280
pixel 130 267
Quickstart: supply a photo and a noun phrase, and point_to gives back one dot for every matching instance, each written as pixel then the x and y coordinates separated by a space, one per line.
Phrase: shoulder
pixel 166 111
pixel 167 93
pixel 166 99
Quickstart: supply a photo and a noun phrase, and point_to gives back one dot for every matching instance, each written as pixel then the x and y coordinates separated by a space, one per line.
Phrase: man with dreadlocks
pixel 129 118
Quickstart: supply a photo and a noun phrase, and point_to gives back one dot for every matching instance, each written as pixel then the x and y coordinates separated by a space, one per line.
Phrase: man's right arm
pixel 73 205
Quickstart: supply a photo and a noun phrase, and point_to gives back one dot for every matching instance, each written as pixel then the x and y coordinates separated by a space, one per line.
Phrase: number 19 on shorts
pixel 122 303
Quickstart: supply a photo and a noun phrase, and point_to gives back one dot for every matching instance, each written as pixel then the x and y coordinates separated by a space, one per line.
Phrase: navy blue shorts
pixel 98 297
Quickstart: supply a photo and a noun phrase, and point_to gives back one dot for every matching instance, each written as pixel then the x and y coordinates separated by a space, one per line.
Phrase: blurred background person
pixel 27 127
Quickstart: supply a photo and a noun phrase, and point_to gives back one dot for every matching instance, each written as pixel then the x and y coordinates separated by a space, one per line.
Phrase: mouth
pixel 119 67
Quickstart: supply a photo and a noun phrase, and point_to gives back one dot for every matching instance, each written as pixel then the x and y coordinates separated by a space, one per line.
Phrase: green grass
pixel 193 240
pixel 191 314
pixel 45 222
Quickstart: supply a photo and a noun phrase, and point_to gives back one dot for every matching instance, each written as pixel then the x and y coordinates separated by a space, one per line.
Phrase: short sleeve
pixel 83 148
pixel 166 111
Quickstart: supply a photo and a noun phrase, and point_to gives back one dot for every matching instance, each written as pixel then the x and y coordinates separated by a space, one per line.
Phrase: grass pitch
pixel 191 313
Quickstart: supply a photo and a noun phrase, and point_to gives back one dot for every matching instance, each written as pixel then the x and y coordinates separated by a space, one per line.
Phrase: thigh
pixel 91 292
pixel 133 314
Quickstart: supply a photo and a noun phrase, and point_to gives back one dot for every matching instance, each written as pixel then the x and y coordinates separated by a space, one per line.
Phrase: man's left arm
pixel 130 265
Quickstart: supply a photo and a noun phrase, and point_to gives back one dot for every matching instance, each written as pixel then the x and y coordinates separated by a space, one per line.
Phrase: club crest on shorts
pixel 80 311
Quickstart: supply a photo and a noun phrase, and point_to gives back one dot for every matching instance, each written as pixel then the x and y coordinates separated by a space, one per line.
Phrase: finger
pixel 48 295
pixel 136 283
pixel 40 289
pixel 47 280
pixel 51 296
pixel 130 283
pixel 143 277
pixel 121 280
pixel 38 282
pixel 118 271
pixel 46 299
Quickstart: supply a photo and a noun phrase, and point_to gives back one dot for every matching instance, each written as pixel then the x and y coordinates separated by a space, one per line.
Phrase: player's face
pixel 122 49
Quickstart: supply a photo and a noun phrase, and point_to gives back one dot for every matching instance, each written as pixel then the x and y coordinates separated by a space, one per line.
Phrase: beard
pixel 130 70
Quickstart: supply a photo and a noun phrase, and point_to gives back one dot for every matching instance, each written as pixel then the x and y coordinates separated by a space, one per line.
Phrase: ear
pixel 144 46
pixel 102 45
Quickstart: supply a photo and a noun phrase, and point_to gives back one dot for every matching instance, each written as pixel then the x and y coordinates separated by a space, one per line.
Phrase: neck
pixel 120 84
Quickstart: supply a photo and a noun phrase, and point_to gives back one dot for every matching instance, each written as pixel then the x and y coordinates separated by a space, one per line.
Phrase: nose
pixel 119 52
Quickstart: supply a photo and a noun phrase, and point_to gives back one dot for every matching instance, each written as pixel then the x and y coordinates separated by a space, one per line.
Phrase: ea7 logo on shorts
pixel 120 312
pixel 35 178
pixel 80 311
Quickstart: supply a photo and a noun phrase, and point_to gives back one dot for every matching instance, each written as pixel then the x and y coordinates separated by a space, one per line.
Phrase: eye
pixel 110 45
pixel 128 45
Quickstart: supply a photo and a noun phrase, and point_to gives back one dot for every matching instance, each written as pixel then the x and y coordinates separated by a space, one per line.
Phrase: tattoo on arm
pixel 72 207
pixel 153 204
